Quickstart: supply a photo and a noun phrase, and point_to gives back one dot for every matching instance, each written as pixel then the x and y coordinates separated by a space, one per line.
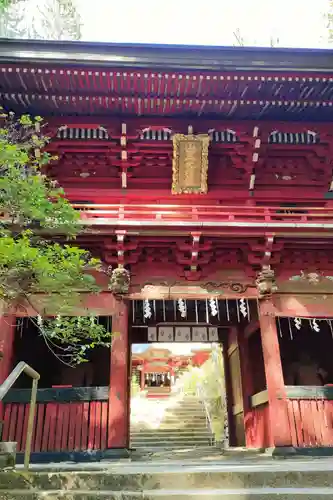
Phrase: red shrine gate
pixel 202 183
pixel 72 418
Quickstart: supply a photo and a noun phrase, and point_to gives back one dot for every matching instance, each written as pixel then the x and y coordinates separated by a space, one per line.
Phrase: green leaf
pixel 31 264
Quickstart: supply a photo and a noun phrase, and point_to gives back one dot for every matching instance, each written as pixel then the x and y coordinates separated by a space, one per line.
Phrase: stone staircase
pixel 183 424
pixel 252 479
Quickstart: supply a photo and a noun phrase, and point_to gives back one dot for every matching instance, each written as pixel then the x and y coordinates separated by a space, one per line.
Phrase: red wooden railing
pixel 310 412
pixel 58 426
pixel 204 214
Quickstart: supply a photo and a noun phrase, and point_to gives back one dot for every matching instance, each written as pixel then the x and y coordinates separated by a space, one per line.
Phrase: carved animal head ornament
pixel 265 282
pixel 120 281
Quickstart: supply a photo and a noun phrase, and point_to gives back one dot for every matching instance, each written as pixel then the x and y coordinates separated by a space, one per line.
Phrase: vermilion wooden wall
pixel 74 419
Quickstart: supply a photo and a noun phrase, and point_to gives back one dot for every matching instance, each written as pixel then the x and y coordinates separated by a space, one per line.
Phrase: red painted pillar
pixel 7 335
pixel 143 379
pixel 118 431
pixel 247 387
pixel 278 411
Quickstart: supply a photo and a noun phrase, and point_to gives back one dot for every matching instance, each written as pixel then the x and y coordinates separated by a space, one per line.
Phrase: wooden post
pixel 142 379
pixel 118 431
pixel 278 410
pixel 247 386
pixel 234 389
pixel 7 335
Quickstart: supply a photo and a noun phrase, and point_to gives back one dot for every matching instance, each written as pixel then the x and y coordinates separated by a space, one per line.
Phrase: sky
pixel 296 23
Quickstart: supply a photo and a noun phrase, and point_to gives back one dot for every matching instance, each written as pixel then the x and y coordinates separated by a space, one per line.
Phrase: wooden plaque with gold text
pixel 190 164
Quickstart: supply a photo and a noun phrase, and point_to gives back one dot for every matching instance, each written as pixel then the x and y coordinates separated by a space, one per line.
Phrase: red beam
pixel 215 194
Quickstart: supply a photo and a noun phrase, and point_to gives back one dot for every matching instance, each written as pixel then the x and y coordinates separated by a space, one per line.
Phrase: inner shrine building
pixel 204 176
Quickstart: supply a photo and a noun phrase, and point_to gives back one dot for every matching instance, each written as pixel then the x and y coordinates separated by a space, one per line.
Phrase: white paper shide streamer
pixel 182 308
pixel 213 307
pixel 243 308
pixel 315 325
pixel 146 309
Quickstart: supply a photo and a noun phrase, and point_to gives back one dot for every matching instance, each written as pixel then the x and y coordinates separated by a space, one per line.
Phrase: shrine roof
pixel 184 57
pixel 77 78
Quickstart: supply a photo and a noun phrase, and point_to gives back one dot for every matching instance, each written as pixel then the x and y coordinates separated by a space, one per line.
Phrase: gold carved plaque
pixel 190 164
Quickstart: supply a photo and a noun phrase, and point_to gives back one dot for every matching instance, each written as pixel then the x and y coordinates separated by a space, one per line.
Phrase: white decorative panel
pixel 183 334
pixel 152 334
pixel 200 334
pixel 213 335
pixel 165 334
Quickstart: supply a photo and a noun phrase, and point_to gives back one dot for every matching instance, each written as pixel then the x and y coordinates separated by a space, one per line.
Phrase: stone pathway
pixel 192 460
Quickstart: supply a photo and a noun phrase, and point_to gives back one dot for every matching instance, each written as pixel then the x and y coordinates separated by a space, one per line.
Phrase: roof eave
pixel 178 57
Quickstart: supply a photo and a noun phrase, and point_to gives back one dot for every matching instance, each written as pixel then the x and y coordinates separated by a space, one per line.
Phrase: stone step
pixel 183 404
pixel 170 443
pixel 162 403
pixel 188 401
pixel 168 434
pixel 176 416
pixel 188 406
pixel 184 425
pixel 186 397
pixel 186 411
pixel 181 409
pixel 159 433
pixel 166 427
pixel 171 419
pixel 293 476
pixel 174 429
pixel 183 413
pixel 172 404
pixel 173 426
pixel 186 429
pixel 239 494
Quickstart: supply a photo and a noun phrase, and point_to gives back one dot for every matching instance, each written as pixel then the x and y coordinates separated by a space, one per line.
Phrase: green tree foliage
pixel 135 385
pixel 40 19
pixel 71 338
pixel 32 265
pixel 330 21
pixel 4 4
